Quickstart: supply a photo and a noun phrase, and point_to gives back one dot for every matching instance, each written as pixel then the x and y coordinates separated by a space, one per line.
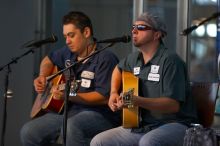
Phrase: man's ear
pixel 157 35
pixel 87 32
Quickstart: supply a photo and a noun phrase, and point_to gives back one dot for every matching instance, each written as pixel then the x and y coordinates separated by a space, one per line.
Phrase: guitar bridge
pixel 127 98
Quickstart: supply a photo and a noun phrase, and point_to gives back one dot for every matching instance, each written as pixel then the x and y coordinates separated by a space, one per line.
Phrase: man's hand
pixel 39 84
pixel 57 94
pixel 115 102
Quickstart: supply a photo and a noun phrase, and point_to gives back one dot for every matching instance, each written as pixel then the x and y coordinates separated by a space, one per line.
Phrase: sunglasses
pixel 142 27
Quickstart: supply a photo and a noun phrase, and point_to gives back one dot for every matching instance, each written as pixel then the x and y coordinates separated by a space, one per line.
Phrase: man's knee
pixel 149 140
pixel 96 141
pixel 25 132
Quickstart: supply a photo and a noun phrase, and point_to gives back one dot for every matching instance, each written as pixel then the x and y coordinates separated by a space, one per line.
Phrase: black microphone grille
pixel 126 38
pixel 54 38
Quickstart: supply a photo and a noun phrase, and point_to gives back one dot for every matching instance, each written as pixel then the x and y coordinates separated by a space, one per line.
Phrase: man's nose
pixel 67 40
pixel 134 31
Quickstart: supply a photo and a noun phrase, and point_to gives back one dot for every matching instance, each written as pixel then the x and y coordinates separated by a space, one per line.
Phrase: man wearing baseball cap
pixel 165 106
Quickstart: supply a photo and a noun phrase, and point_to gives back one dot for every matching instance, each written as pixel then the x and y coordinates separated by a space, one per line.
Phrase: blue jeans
pixel 81 128
pixel 171 134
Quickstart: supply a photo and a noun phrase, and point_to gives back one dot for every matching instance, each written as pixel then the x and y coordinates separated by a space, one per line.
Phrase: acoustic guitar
pixel 45 102
pixel 130 112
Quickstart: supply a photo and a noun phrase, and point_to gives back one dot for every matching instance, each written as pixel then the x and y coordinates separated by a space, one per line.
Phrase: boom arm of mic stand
pixel 215 15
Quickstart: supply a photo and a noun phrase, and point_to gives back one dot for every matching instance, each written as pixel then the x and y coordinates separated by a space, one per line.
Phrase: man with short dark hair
pixel 88 112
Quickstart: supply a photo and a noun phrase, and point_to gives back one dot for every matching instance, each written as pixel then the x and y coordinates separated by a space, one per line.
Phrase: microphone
pixel 51 39
pixel 124 39
pixel 191 28
pixel 188 30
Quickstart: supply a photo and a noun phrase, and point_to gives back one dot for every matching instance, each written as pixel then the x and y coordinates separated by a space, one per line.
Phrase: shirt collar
pixel 157 56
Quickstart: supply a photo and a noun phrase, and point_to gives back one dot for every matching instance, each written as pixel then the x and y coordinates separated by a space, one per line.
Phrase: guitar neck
pixel 131 113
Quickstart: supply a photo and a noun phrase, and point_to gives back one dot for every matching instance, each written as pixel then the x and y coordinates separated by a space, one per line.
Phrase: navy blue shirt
pixel 94 74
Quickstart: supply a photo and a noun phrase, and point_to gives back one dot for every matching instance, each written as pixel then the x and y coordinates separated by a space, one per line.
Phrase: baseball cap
pixel 154 21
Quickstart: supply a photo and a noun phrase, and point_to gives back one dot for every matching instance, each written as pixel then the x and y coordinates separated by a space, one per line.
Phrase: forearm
pixel 116 80
pixel 46 67
pixel 90 98
pixel 162 104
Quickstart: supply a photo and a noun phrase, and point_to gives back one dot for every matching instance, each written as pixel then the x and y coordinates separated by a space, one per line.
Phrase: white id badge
pixel 86 83
pixel 153 77
pixel 154 69
pixel 136 70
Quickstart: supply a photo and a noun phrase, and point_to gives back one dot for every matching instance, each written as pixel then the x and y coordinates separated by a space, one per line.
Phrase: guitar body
pixel 52 104
pixel 45 102
pixel 130 114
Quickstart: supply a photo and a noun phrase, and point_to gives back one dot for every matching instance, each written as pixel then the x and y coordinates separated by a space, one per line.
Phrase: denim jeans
pixel 171 134
pixel 81 128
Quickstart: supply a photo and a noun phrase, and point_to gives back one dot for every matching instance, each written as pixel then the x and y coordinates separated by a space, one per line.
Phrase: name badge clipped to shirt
pixel 154 75
pixel 154 69
pixel 85 83
pixel 88 74
pixel 136 70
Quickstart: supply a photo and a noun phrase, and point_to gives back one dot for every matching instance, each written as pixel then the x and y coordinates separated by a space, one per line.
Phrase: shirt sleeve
pixel 104 70
pixel 174 79
pixel 128 63
pixel 57 57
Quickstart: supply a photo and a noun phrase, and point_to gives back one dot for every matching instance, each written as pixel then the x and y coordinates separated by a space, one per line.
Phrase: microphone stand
pixel 75 88
pixel 4 106
pixel 191 28
pixel 6 83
